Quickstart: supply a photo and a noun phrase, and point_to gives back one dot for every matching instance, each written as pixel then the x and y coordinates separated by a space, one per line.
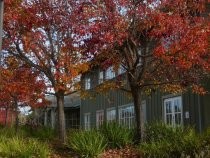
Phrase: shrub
pixel 116 135
pixel 86 143
pixel 23 148
pixel 7 132
pixel 42 133
pixel 164 141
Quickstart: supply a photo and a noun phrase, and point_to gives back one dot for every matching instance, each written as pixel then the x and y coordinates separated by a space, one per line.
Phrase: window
pixel 126 116
pixel 121 70
pixel 87 83
pixel 87 121
pixel 110 73
pixel 99 118
pixel 111 115
pixel 101 77
pixel 173 111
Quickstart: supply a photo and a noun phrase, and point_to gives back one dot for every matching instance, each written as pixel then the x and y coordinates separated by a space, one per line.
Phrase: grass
pixel 22 144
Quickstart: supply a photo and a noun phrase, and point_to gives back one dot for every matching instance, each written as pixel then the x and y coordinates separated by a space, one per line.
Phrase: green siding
pixel 197 106
pixel 104 101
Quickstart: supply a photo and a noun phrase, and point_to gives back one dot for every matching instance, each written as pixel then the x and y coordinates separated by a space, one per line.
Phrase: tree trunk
pixel 136 94
pixel 61 116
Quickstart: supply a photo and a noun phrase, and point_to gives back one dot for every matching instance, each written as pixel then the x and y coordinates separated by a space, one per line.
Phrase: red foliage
pixel 21 85
pixel 162 36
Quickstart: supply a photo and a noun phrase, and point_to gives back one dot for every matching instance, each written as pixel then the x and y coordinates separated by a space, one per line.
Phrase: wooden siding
pixel 197 106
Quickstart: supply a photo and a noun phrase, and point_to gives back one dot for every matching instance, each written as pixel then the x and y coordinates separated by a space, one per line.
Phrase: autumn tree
pixel 161 44
pixel 20 87
pixel 41 33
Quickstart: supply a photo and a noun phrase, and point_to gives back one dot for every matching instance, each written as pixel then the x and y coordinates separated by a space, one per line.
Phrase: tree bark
pixel 136 94
pixel 61 116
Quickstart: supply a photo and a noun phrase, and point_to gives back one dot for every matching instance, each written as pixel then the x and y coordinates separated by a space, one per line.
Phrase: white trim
pixel 87 124
pixel 110 73
pixel 173 113
pixel 126 120
pixel 101 76
pixel 98 121
pixel 87 83
pixel 109 110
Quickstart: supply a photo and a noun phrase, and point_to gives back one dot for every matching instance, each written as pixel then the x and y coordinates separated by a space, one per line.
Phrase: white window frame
pixel 125 118
pixel 101 77
pixel 2 109
pixel 111 114
pixel 121 70
pixel 87 123
pixel 99 118
pixel 172 115
pixel 109 73
pixel 87 83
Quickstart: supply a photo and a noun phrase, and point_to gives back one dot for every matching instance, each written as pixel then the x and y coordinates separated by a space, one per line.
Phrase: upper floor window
pixel 101 77
pixel 110 73
pixel 121 70
pixel 87 83
pixel 2 109
pixel 173 111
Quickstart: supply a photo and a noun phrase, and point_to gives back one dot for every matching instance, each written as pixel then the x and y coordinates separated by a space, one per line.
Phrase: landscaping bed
pixel 109 141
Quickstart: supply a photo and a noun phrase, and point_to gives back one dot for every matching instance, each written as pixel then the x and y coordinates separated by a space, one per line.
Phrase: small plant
pixel 23 148
pixel 7 132
pixel 117 136
pixel 86 143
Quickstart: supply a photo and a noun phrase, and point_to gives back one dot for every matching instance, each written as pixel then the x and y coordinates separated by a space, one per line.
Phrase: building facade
pixel 181 109
pixel 7 116
pixel 72 105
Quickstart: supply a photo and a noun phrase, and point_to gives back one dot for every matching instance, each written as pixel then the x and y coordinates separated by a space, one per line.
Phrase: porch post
pixel 45 117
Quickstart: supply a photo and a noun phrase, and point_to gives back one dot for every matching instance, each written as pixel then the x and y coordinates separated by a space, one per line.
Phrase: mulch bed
pixel 127 152
pixel 61 151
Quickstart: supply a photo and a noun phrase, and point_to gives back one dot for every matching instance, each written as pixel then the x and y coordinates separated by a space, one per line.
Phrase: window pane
pixel 178 119
pixel 87 121
pixel 168 107
pixel 126 116
pixel 121 70
pixel 101 77
pixel 110 73
pixel 111 115
pixel 99 118
pixel 87 83
pixel 173 111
